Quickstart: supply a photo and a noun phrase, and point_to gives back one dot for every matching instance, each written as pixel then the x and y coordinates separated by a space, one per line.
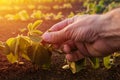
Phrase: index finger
pixel 61 24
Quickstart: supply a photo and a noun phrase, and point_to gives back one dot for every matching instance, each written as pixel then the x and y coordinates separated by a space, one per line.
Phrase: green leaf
pixel 1 45
pixel 13 45
pixel 23 15
pixel 71 15
pixel 36 24
pixel 22 30
pixel 80 64
pixel 9 17
pixel 39 55
pixel 99 8
pixel 107 63
pixel 73 67
pixel 29 26
pixel 36 32
pixel 92 5
pixel 24 55
pixel 24 42
pixel 95 62
pixel 12 58
pixel 37 14
pixel 9 41
pixel 85 3
pixel 101 2
pixel 4 48
pixel 116 54
pixel 77 66
pixel 35 38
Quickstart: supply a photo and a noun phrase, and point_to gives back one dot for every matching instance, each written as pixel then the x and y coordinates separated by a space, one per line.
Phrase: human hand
pixel 87 35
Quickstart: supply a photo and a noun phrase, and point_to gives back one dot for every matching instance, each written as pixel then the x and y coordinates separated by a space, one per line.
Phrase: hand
pixel 87 35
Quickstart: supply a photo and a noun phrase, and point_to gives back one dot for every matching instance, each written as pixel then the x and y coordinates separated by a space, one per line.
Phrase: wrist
pixel 110 29
pixel 110 24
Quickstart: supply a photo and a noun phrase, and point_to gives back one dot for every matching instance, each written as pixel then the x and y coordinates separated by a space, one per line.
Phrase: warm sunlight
pixel 10 2
pixel 59 40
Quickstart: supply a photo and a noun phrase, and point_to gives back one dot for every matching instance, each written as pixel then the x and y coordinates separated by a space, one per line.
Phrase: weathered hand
pixel 87 35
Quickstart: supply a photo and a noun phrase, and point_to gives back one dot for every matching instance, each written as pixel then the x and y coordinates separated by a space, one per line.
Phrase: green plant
pixel 71 14
pixel 99 6
pixel 58 16
pixel 95 63
pixel 28 47
pixel 95 6
pixel 22 15
pixel 37 14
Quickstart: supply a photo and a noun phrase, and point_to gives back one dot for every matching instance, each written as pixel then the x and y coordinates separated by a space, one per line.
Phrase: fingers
pixel 71 45
pixel 56 37
pixel 62 31
pixel 82 48
pixel 60 36
pixel 62 24
pixel 72 52
pixel 66 22
pixel 101 47
pixel 66 48
pixel 74 56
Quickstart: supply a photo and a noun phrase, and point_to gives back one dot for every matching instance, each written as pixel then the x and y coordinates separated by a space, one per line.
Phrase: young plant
pixel 37 14
pixel 71 14
pixel 58 16
pixel 22 15
pixel 28 47
pixel 75 67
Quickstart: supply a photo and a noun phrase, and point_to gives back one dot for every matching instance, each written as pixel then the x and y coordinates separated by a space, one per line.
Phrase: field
pixel 14 18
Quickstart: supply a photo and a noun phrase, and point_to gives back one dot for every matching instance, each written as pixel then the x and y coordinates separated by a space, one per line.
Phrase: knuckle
pixel 70 20
pixel 67 33
pixel 53 37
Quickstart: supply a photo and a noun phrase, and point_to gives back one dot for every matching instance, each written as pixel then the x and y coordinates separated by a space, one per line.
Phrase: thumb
pixel 54 37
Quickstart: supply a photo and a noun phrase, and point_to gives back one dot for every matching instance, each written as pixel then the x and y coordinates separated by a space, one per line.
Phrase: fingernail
pixel 46 37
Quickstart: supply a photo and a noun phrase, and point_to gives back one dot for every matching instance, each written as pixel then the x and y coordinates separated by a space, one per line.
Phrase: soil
pixel 27 71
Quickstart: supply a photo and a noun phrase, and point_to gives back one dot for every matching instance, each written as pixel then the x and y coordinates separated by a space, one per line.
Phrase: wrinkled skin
pixel 87 35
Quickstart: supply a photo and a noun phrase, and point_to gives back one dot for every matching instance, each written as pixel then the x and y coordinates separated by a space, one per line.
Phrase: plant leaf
pixel 77 66
pixel 24 42
pixel 23 15
pixel 11 42
pixel 36 24
pixel 36 32
pixel 12 58
pixel 94 62
pixel 4 48
pixel 39 55
pixel 24 55
pixel 106 61
pixel 29 27
pixel 1 45
pixel 35 38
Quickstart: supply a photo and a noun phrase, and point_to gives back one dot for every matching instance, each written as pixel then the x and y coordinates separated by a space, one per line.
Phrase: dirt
pixel 28 71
